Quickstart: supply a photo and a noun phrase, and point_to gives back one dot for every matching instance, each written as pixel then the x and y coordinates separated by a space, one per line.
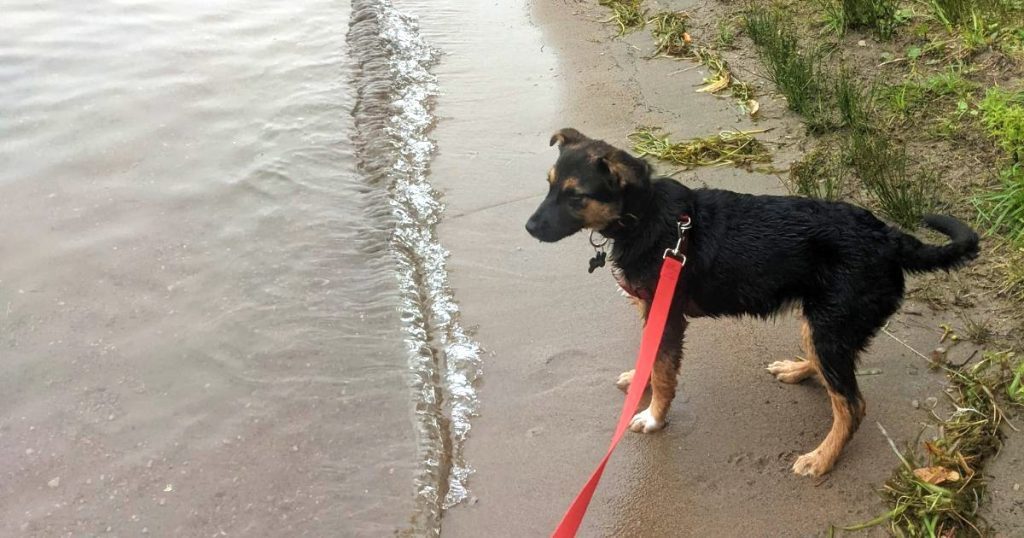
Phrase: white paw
pixel 811 464
pixel 625 378
pixel 791 371
pixel 644 422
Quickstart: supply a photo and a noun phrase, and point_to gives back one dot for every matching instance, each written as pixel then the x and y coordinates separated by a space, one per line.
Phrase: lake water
pixel 223 304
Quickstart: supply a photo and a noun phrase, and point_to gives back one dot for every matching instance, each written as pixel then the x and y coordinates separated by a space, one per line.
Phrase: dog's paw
pixel 812 464
pixel 644 422
pixel 791 371
pixel 625 378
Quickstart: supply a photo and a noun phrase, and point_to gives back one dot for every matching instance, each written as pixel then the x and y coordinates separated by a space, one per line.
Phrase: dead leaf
pixel 753 106
pixel 936 475
pixel 716 85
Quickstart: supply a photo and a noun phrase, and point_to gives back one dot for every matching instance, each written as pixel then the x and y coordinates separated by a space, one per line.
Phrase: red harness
pixel 640 292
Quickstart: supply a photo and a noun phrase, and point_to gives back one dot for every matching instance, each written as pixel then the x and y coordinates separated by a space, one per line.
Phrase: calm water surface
pixel 201 328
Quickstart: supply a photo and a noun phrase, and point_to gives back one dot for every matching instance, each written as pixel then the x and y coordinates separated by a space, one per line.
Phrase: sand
pixel 557 337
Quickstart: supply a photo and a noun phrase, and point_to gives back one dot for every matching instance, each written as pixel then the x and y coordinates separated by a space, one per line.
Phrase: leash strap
pixel 671 268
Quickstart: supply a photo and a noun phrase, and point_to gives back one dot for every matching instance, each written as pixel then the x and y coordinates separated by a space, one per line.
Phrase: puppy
pixel 746 255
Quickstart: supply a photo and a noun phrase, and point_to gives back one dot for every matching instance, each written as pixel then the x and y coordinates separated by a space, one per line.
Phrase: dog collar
pixel 642 291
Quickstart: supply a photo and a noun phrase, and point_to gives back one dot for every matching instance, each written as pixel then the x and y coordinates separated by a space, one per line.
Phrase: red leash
pixel 649 343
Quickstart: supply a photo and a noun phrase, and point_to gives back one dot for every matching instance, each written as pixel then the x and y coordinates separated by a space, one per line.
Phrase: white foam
pixel 444 360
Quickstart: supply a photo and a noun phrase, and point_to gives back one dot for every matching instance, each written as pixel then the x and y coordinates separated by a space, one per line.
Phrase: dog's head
pixel 587 186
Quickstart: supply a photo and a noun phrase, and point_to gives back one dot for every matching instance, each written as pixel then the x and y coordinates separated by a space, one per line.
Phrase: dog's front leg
pixel 664 376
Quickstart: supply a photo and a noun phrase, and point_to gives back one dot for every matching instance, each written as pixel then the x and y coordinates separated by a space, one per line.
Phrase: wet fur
pixel 749 255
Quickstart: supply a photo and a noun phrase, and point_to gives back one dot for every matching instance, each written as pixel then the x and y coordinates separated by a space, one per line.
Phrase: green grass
pixel 853 101
pixel 980 31
pixel 628 15
pixel 1002 114
pixel 882 16
pixel 919 94
pixel 952 12
pixel 981 24
pixel 835 16
pixel 726 37
pixel 1002 209
pixel 796 74
pixel 883 168
pixel 819 174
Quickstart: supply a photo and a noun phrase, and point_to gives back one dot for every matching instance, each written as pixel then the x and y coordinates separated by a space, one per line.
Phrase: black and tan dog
pixel 747 255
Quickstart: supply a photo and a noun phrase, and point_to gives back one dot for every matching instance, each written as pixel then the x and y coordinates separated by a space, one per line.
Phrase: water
pixel 223 305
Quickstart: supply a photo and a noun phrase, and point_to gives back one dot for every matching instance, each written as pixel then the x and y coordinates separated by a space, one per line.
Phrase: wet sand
pixel 557 338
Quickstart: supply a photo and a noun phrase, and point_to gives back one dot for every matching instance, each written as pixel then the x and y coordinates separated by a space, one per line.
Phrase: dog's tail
pixel 920 257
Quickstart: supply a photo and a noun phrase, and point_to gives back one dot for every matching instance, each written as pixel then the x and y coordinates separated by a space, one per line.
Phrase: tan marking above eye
pixel 551 175
pixel 570 183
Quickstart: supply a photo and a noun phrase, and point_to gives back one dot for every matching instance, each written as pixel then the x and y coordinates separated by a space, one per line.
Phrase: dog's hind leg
pixel 664 378
pixel 833 349
pixel 798 370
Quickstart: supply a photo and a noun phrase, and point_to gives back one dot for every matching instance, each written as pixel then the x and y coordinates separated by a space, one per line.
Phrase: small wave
pixel 395 89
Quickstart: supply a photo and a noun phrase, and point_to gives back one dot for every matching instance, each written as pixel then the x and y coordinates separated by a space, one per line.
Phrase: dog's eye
pixel 575 198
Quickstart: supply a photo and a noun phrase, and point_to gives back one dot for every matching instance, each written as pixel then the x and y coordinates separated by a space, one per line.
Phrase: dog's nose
pixel 531 226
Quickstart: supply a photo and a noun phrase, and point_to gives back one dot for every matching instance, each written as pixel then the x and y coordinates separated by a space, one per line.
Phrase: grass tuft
pixel 883 170
pixel 853 102
pixel 670 34
pixel 819 174
pixel 738 148
pixel 979 332
pixel 952 12
pixel 835 16
pixel 726 37
pixel 879 15
pixel 795 73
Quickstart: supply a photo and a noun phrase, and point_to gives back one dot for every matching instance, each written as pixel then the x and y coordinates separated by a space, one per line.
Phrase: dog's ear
pixel 566 136
pixel 627 169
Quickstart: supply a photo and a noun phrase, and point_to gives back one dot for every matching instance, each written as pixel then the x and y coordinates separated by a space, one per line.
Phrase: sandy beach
pixel 557 338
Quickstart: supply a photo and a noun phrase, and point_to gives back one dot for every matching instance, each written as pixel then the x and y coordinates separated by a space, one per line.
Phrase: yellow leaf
pixel 716 85
pixel 936 475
